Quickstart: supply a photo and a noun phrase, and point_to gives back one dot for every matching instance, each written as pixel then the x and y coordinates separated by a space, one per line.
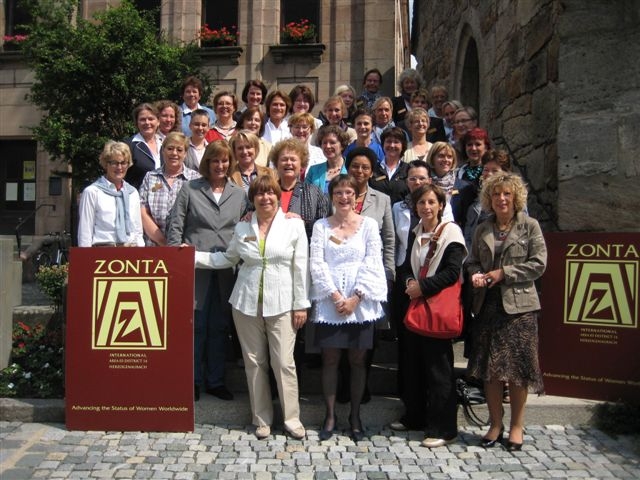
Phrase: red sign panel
pixel 589 332
pixel 129 342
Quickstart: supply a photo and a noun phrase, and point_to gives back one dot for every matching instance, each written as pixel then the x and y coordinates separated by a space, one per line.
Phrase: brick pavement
pixel 34 450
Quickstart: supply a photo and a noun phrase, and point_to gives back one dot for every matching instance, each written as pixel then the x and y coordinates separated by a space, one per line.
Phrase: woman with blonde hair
pixel 508 255
pixel 245 147
pixel 348 95
pixel 417 122
pixel 109 213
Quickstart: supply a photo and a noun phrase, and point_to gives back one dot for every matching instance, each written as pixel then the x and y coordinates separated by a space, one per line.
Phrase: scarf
pixel 472 174
pixel 445 182
pixel 123 222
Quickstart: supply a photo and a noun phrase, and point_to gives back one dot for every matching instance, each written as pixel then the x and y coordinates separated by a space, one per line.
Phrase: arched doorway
pixel 470 78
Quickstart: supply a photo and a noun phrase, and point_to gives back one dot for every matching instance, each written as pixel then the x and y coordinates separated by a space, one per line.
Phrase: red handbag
pixel 439 316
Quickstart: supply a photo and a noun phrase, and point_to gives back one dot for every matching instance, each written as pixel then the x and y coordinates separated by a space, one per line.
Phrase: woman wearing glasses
pixel 348 286
pixel 110 207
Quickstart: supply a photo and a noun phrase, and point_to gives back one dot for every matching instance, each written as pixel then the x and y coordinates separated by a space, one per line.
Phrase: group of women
pixel 285 215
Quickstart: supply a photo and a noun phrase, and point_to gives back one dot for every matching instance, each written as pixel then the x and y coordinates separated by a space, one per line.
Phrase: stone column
pixel 10 296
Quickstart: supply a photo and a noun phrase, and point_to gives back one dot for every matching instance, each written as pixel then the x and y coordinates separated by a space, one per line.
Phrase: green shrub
pixel 37 363
pixel 52 281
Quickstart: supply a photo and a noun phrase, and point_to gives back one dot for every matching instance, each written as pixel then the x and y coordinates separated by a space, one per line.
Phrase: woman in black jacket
pixel 430 394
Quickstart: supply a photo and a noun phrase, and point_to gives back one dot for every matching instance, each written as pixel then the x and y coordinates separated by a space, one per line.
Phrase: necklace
pixel 335 170
pixel 502 230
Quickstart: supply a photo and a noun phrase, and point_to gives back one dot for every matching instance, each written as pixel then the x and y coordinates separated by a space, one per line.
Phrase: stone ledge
pixel 381 410
pixel 32 410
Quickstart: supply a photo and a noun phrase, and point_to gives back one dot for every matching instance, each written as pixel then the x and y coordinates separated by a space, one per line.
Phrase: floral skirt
pixel 505 347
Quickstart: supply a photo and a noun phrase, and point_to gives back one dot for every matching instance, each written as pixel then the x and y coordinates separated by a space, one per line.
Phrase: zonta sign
pixel 129 356
pixel 589 327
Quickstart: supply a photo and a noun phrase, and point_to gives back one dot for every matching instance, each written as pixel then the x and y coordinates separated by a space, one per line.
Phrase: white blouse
pixel 347 265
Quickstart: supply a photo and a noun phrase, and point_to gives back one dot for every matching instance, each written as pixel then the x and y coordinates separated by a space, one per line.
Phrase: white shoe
pixel 297 433
pixel 398 426
pixel 263 432
pixel 437 442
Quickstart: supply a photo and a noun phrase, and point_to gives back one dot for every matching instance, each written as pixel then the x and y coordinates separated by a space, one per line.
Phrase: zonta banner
pixel 589 334
pixel 129 339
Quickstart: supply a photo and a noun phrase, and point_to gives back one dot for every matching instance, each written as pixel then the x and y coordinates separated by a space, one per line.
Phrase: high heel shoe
pixel 357 433
pixel 512 446
pixel 489 443
pixel 325 433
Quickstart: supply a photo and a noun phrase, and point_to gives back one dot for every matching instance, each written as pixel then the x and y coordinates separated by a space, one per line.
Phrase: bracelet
pixel 359 294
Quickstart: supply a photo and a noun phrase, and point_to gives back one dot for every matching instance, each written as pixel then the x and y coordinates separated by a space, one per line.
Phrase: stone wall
pixel 558 86
pixel 517 57
pixel 599 116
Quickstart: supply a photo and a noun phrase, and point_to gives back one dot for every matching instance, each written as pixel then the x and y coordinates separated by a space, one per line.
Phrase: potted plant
pixel 218 37
pixel 13 42
pixel 302 31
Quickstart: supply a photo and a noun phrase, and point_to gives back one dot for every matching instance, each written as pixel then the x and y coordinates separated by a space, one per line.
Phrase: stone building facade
pixel 557 82
pixel 353 36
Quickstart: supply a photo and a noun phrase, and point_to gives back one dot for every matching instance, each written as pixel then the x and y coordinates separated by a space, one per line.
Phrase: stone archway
pixel 467 71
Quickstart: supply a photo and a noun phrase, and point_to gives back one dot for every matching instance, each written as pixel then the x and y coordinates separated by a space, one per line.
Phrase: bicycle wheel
pixel 42 259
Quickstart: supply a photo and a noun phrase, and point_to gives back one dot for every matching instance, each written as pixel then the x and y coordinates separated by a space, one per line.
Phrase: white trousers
pixel 264 340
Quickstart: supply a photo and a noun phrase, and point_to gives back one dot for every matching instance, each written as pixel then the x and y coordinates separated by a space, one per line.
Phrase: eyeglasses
pixel 417 179
pixel 113 163
pixel 348 193
pixel 300 127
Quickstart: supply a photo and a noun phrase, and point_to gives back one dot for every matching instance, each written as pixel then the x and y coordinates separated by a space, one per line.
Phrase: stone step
pixel 380 411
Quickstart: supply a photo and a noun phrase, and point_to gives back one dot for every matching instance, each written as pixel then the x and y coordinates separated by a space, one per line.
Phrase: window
pixel 152 6
pixel 16 16
pixel 17 184
pixel 295 10
pixel 219 14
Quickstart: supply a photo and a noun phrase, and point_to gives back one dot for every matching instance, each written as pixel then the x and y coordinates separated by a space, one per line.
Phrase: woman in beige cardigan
pixel 508 255
pixel 269 301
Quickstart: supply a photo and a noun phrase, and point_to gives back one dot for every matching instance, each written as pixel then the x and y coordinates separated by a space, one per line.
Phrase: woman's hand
pixel 292 215
pixel 346 306
pixel 489 279
pixel 413 289
pixel 299 318
pixel 493 277
pixel 247 217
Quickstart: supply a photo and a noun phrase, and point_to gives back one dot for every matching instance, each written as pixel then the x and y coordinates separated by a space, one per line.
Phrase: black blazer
pixel 396 186
pixel 142 162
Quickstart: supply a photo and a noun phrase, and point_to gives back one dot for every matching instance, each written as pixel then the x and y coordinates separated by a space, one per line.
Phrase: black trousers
pixel 429 386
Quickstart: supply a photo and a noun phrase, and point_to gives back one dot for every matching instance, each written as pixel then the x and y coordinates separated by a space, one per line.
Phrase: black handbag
pixel 468 396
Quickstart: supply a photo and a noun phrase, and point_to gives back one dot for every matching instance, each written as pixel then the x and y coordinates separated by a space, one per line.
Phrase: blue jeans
pixel 211 325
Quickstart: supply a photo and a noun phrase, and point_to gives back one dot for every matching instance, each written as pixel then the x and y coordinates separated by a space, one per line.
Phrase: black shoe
pixel 513 446
pixel 196 393
pixel 325 433
pixel 357 433
pixel 221 392
pixel 489 443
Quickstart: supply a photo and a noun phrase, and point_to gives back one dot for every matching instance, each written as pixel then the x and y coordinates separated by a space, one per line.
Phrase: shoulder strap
pixel 432 249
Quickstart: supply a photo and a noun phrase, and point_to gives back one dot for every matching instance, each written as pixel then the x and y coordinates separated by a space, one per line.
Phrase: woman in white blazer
pixel 269 301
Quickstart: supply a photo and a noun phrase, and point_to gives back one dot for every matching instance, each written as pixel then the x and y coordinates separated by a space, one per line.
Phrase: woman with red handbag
pixel 431 273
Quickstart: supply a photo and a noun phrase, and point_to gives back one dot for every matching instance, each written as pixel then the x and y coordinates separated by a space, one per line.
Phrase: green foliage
pixel 36 368
pixel 618 418
pixel 52 281
pixel 89 75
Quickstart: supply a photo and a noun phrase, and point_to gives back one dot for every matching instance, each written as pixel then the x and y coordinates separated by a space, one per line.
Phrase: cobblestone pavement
pixel 32 450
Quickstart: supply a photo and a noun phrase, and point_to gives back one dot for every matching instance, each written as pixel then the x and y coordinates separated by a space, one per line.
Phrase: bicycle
pixel 53 251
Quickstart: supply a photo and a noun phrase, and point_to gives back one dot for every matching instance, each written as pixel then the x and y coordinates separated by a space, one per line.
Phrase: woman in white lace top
pixel 348 286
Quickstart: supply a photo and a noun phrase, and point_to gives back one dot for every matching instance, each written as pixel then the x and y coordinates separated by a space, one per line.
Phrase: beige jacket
pixel 523 259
